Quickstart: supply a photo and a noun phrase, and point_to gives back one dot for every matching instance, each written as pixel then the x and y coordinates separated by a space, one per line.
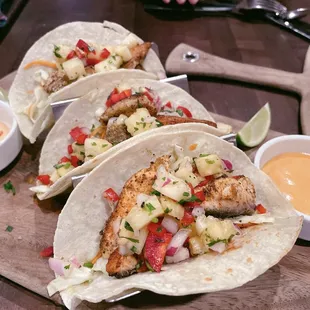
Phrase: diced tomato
pixel 64 159
pixel 104 54
pixel 237 177
pixel 168 105
pixel 187 218
pixel 191 205
pixel 200 195
pixel 185 111
pixel 109 102
pixel 47 252
pixel 155 249
pixel 74 161
pixel 71 55
pixel 124 94
pixel 79 53
pixel 84 46
pixel 260 209
pixel 148 95
pixel 70 149
pixel 110 194
pixel 81 138
pixel 206 181
pixel 44 179
pixel 127 92
pixel 75 132
pixel 92 61
pixel 156 229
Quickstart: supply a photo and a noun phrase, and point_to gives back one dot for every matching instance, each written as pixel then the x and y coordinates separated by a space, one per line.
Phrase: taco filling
pixel 84 59
pixel 178 208
pixel 126 113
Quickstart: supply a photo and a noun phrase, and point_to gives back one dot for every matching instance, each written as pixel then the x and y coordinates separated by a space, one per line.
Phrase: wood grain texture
pixel 285 286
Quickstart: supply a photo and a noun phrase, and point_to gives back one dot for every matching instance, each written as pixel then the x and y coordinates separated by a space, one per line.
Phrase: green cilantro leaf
pixel 210 162
pixel 128 227
pixel 204 155
pixel 155 220
pixel 9 187
pixel 88 265
pixel 9 228
pixel 149 207
pixel 167 210
pixel 133 249
pixel 67 267
pixel 93 143
pixel 186 194
pixel 56 50
pixel 131 239
pixel 180 112
pixel 155 192
pixel 149 267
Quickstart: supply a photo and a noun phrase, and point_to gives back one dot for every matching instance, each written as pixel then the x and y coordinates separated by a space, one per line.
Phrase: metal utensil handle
pixel 286 24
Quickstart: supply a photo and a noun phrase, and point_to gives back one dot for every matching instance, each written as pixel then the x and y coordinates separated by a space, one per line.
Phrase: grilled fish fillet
pixel 141 182
pixel 229 196
pixel 121 266
pixel 172 120
pixel 128 106
pixel 138 53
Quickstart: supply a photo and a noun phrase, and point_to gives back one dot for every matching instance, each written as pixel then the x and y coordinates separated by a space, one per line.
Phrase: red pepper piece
pixel 92 61
pixel 148 95
pixel 64 159
pixel 111 195
pixel 260 209
pixel 155 250
pixel 109 102
pixel 70 149
pixel 47 252
pixel 71 55
pixel 206 181
pixel 75 132
pixel 156 229
pixel 182 110
pixel 82 45
pixel 44 179
pixel 104 54
pixel 74 161
pixel 81 138
pixel 187 218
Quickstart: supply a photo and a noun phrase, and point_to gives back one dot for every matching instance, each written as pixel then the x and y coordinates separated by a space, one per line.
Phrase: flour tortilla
pixel 68 34
pixel 85 214
pixel 82 113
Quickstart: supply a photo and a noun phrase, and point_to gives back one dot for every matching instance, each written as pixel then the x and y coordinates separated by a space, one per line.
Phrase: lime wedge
pixel 256 129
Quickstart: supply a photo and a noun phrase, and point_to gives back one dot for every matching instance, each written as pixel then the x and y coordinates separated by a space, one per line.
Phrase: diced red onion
pixel 198 211
pixel 228 165
pixel 181 255
pixel 170 224
pixel 179 238
pixel 123 250
pixel 74 261
pixel 166 182
pixel 219 247
pixel 85 130
pixel 141 198
pixel 116 225
pixel 56 265
pixel 171 251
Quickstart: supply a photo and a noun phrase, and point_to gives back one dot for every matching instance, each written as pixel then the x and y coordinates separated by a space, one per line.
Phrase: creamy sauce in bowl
pixel 291 173
pixel 4 131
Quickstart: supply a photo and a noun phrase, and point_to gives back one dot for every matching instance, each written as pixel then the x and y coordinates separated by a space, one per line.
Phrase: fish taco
pixel 101 122
pixel 191 208
pixel 66 58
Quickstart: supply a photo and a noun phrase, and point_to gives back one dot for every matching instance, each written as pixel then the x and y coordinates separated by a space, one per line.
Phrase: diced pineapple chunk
pixel 113 62
pixel 74 68
pixel 63 169
pixel 137 247
pixel 201 224
pixel 176 189
pixel 54 176
pixel 171 207
pixel 139 217
pixel 208 164
pixel 196 246
pixel 185 172
pixel 124 52
pixel 95 146
pixel 78 151
pixel 220 229
pixel 140 121
pixel 124 232
pixel 130 40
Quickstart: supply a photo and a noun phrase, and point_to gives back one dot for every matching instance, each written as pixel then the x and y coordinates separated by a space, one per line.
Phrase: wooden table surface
pixel 258 43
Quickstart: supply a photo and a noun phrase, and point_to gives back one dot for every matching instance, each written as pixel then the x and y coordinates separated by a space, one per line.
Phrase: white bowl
pixel 285 144
pixel 12 143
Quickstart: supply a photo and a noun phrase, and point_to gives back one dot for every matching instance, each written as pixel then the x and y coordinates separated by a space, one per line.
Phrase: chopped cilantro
pixel 136 128
pixel 131 239
pixel 158 123
pixel 140 105
pixel 204 155
pixel 155 192
pixel 93 143
pixel 186 194
pixel 144 125
pixel 210 162
pixel 67 165
pixel 149 267
pixel 113 56
pixel 90 155
pixel 9 187
pixel 82 153
pixel 56 50
pixel 142 119
pixel 110 61
pixel 128 227
pixel 57 166
pixel 138 266
pixel 67 267
pixel 149 207
pixel 104 145
pixel 191 199
pixel 180 112
pixel 133 249
pixel 164 178
pixel 9 228
pixel 167 210
pixel 159 229
pixel 175 182
pixel 155 220
pixel 92 127
pixel 216 241
pixel 88 265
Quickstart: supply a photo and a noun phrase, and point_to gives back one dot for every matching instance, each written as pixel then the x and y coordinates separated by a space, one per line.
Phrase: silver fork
pixel 264 5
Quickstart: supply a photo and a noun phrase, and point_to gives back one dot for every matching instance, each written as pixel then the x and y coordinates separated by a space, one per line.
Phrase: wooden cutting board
pixel 34 226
